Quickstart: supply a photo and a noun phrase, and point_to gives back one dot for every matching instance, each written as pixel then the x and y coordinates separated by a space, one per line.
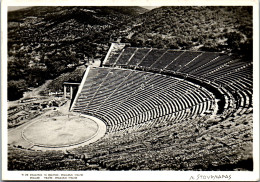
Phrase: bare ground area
pixel 60 131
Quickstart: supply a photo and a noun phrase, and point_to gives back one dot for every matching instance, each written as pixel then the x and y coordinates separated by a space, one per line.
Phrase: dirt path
pixel 36 91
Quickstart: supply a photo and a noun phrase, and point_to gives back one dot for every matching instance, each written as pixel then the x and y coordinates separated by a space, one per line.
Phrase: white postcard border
pixel 132 175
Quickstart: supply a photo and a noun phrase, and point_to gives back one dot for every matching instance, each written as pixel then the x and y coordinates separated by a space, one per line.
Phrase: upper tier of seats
pixel 231 75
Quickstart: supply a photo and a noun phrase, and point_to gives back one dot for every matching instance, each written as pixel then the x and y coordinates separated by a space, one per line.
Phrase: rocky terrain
pixel 44 42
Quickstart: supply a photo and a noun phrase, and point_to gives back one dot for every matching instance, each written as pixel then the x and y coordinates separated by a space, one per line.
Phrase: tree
pixel 16 89
pixel 234 40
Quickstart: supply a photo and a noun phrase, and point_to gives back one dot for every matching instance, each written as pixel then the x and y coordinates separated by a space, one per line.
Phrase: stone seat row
pixel 147 96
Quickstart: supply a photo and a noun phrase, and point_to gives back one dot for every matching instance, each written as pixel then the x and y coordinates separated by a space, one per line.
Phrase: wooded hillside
pixel 44 42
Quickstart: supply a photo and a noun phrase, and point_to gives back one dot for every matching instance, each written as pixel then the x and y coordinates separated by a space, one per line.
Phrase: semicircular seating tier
pixel 232 76
pixel 129 99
